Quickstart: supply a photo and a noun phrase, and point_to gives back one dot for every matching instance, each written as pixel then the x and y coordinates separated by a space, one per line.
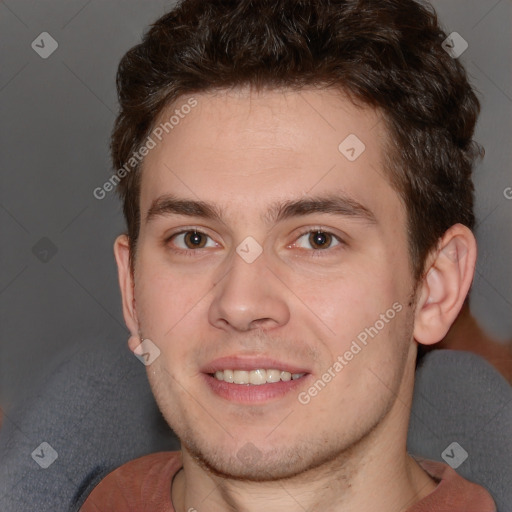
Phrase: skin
pixel 242 151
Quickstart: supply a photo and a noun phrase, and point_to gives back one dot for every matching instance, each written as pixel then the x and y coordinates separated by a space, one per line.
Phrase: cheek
pixel 164 298
pixel 347 303
pixel 368 326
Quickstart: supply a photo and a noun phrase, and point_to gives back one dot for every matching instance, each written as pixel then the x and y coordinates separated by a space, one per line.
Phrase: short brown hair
pixel 386 54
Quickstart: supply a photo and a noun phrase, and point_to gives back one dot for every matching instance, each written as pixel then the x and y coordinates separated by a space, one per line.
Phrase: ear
pixel 445 285
pixel 126 283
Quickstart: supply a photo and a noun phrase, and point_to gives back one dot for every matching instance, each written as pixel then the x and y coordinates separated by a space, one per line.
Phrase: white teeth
pixel 273 375
pixel 240 377
pixel 256 377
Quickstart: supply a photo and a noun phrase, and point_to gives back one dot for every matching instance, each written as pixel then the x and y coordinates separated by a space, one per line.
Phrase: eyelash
pixel 315 253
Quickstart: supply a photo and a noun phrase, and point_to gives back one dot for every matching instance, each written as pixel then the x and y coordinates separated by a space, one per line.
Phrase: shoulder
pixel 139 485
pixel 453 492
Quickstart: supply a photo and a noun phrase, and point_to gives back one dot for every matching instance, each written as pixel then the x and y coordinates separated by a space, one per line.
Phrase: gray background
pixel 58 279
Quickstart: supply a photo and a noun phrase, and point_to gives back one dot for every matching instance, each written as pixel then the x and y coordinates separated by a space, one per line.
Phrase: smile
pixel 255 377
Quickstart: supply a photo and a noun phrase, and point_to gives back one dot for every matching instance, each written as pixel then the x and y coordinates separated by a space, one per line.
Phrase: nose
pixel 249 296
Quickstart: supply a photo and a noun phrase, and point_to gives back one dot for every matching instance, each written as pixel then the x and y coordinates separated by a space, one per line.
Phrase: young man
pixel 296 179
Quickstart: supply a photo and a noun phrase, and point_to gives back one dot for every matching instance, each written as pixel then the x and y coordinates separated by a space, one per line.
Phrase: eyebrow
pixel 334 204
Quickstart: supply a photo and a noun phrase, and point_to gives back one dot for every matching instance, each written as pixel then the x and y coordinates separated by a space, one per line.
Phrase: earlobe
pixel 445 285
pixel 126 284
pixel 133 342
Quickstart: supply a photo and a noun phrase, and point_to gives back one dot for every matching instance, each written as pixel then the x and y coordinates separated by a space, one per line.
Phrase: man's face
pixel 254 290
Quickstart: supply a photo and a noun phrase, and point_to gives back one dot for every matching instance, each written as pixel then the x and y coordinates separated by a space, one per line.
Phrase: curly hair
pixel 385 54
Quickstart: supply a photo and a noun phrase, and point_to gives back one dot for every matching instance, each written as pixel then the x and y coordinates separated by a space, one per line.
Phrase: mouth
pixel 253 380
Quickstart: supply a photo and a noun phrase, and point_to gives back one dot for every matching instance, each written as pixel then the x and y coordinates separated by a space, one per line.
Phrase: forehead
pixel 244 148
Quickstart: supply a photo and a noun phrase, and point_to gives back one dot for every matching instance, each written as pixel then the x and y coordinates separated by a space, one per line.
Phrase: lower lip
pixel 249 393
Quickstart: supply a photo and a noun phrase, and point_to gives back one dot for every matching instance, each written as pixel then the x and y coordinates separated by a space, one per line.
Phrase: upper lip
pixel 238 362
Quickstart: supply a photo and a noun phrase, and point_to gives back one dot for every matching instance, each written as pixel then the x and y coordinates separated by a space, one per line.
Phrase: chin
pixel 263 462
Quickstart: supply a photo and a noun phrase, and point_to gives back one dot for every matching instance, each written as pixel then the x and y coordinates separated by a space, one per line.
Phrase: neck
pixel 399 487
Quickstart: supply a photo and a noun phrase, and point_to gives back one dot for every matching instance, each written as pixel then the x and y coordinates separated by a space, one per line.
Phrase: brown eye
pixel 320 240
pixel 190 242
pixel 194 240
